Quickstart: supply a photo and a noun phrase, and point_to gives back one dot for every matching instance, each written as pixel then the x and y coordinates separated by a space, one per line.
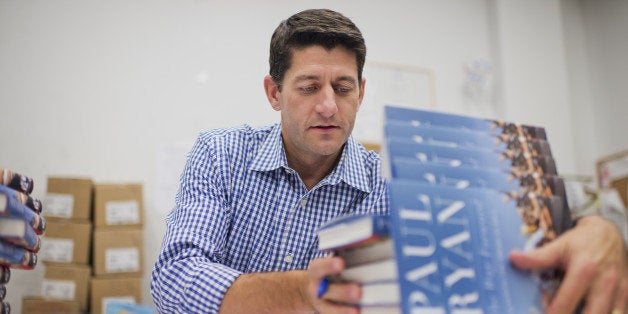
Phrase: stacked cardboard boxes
pixel 66 246
pixel 118 244
pixel 92 249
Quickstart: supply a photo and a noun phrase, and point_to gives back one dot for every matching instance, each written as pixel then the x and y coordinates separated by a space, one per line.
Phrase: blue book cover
pixel 534 155
pixel 437 135
pixel 463 122
pixel 353 230
pixel 464 193
pixel 546 189
pixel 446 155
pixel 464 236
pixel 459 177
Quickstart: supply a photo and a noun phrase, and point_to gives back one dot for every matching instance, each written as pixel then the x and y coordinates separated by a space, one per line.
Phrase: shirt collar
pixel 350 168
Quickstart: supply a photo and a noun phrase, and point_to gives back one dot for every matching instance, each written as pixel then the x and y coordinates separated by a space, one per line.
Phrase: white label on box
pixel 122 212
pixel 58 289
pixel 120 260
pixel 56 250
pixel 121 299
pixel 59 205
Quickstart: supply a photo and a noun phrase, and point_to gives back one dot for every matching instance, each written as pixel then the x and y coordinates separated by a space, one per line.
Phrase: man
pixel 241 238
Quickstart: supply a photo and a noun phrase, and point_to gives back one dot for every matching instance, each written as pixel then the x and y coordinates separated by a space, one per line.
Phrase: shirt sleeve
pixel 189 275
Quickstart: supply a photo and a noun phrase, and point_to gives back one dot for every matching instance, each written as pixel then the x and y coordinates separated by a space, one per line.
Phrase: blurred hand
pixel 595 262
pixel 338 297
pixel 20 221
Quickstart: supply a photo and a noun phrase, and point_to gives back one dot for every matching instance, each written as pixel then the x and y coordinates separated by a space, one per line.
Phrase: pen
pixel 322 287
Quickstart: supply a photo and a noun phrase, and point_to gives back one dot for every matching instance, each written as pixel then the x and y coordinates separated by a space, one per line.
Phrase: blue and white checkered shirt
pixel 241 209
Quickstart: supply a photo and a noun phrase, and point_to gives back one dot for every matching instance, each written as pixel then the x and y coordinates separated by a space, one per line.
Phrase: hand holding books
pixel 20 221
pixel 362 271
pixel 20 227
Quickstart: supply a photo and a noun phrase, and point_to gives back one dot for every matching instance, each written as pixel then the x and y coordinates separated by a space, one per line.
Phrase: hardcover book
pixel 351 230
pixel 379 271
pixel 384 293
pixel 461 122
pixel 367 253
pixel 465 192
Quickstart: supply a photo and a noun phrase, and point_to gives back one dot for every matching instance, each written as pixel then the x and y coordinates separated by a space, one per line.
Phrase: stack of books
pixel 365 244
pixel 464 193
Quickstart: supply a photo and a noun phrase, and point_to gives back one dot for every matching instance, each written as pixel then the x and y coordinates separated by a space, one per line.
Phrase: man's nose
pixel 327 106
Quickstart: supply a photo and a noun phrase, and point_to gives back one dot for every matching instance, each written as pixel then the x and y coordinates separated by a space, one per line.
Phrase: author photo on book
pixel 241 237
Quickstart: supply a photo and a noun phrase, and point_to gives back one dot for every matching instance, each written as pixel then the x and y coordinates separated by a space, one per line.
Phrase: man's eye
pixel 343 90
pixel 309 89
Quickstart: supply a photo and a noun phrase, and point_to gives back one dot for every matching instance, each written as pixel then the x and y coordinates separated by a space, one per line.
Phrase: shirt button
pixel 303 203
pixel 288 258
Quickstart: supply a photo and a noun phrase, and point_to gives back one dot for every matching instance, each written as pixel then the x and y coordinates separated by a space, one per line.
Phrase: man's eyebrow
pixel 348 79
pixel 306 77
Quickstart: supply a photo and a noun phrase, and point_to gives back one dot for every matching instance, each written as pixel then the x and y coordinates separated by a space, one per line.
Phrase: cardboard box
pixel 67 282
pixel 106 290
pixel 612 172
pixel 41 305
pixel 67 241
pixel 118 205
pixel 69 198
pixel 118 251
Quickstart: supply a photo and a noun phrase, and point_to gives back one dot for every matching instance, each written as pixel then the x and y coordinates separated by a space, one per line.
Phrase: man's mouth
pixel 325 127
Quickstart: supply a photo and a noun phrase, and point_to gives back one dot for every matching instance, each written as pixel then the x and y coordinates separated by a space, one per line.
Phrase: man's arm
pixel 595 261
pixel 190 275
pixel 294 291
pixel 271 292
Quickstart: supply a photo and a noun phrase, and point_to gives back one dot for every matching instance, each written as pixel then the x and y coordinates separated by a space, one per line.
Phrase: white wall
pixel 99 88
pixel 102 88
pixel 606 26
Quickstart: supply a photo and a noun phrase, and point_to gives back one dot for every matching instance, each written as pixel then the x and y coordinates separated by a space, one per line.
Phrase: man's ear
pixel 272 92
pixel 361 95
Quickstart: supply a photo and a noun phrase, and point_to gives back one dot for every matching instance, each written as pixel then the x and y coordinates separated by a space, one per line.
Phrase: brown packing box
pixel 66 241
pixel 612 172
pixel 67 282
pixel 118 205
pixel 104 290
pixel 41 305
pixel 69 198
pixel 118 251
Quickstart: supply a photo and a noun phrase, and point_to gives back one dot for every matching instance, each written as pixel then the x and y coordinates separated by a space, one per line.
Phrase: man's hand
pixel 337 297
pixel 595 262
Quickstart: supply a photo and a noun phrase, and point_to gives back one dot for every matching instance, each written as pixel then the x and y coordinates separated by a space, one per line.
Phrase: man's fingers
pixel 571 290
pixel 548 256
pixel 602 292
pixel 621 299
pixel 344 293
pixel 322 267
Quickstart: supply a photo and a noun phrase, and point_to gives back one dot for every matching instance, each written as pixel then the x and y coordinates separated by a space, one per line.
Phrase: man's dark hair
pixel 321 27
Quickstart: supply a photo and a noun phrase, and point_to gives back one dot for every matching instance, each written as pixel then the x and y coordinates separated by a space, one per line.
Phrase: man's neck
pixel 313 170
